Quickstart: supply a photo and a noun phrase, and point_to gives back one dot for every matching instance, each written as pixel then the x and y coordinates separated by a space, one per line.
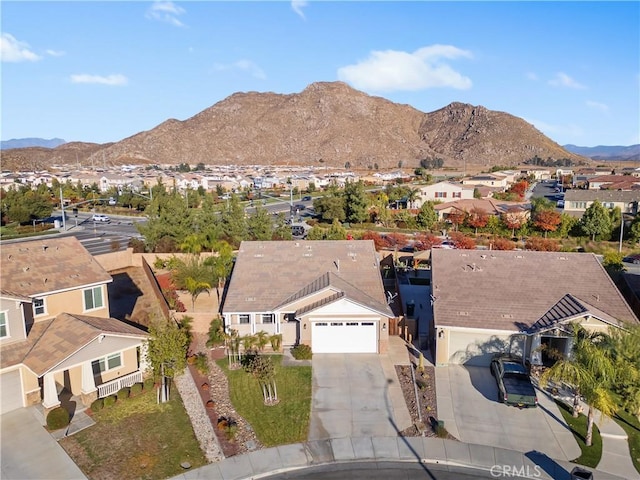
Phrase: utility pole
pixel 621 232
pixel 64 218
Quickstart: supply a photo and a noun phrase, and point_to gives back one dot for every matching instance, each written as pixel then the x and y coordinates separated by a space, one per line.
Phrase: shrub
pixel 302 352
pixel 148 383
pixel 276 342
pixel 110 401
pixel 97 405
pixel 136 388
pixel 201 363
pixel 216 333
pixel 57 418
pixel 123 393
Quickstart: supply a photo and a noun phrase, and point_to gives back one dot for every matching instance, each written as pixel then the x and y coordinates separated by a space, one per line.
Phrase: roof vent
pixel 44 248
pixel 506 315
pixel 25 269
pixel 463 314
pixel 251 299
pixel 258 255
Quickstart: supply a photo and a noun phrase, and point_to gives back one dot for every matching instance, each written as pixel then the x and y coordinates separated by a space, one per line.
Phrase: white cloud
pixel 242 65
pixel 13 50
pixel 603 107
pixel 391 70
pixel 563 80
pixel 56 53
pixel 298 5
pixel 166 12
pixel 114 80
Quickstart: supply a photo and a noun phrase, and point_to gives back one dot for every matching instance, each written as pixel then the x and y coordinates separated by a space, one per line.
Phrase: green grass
pixel 284 423
pixel 137 439
pixel 631 425
pixel 590 456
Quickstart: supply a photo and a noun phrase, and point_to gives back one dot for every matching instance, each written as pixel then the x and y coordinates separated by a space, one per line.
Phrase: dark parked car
pixel 635 259
pixel 514 384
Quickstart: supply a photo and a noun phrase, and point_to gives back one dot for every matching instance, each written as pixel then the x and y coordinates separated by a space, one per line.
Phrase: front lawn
pixel 590 455
pixel 631 425
pixel 136 439
pixel 281 424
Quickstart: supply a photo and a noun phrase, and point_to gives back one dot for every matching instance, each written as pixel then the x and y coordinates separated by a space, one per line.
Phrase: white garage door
pixel 476 348
pixel 344 337
pixel 10 391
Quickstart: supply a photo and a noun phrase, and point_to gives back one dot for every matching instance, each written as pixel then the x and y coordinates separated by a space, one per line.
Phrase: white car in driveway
pixel 100 217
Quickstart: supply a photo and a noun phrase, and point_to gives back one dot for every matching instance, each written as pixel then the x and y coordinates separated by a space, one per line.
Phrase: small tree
pixel 261 340
pixel 195 288
pixel 590 371
pixel 477 218
pixel 595 220
pixel 513 218
pixel 263 370
pixel 456 218
pixel 427 216
pixel 216 334
pixel 547 221
pixel 167 347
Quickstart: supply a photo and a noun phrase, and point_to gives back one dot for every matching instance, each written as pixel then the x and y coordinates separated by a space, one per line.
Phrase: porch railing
pixel 109 388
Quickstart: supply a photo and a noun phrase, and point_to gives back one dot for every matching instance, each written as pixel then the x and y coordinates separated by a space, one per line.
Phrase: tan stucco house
pixel 55 328
pixel 486 302
pixel 326 294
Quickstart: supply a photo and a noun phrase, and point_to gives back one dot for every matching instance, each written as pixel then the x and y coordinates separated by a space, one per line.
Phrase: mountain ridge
pixel 326 124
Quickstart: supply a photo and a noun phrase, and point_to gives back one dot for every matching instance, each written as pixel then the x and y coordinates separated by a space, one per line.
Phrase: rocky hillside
pixel 328 123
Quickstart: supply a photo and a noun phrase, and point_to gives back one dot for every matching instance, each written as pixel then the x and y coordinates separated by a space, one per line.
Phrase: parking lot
pixel 468 403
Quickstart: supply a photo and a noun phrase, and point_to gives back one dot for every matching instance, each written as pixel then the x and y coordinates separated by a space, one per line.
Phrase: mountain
pixel 602 152
pixel 31 142
pixel 329 124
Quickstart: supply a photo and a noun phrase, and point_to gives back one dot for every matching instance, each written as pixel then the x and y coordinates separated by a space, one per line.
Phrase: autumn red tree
pixel 513 218
pixel 378 241
pixel 519 188
pixel 477 218
pixel 542 244
pixel 547 221
pixel 461 241
pixel 456 217
pixel 424 241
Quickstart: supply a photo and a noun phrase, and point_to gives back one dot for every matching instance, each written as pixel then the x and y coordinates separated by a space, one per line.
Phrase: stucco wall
pixel 15 322
pixel 72 302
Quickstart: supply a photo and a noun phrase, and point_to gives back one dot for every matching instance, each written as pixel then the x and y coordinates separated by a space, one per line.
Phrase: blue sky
pixel 103 71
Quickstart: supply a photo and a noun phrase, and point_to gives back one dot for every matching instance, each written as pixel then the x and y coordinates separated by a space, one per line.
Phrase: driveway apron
pixel 30 452
pixel 350 398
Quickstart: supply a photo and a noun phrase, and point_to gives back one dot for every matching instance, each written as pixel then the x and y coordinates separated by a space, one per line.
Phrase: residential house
pixel 326 294
pixel 539 174
pixel 577 201
pixel 55 327
pixel 488 205
pixel 494 180
pixel 443 192
pixel 485 302
pixel 613 182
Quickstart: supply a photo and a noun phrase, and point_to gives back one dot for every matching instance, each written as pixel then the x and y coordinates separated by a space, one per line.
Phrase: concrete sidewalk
pixel 448 454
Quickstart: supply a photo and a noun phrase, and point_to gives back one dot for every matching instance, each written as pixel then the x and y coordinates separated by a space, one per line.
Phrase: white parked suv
pixel 100 217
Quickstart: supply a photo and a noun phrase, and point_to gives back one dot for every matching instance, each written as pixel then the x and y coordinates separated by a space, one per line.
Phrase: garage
pixel 342 336
pixel 10 391
pixel 476 347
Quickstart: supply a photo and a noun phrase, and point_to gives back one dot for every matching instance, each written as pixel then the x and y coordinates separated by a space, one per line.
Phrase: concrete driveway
pixel 30 452
pixel 468 403
pixel 355 395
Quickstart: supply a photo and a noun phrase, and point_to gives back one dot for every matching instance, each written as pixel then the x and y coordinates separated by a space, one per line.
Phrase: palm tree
pixel 412 196
pixel 590 371
pixel 195 288
pixel 261 339
pixel 248 341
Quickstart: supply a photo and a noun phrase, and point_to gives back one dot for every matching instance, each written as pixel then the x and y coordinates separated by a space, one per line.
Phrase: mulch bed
pixel 426 403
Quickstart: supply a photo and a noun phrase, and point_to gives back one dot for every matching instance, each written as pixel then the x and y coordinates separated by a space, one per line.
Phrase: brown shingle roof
pixel 67 333
pixel 269 274
pixel 34 268
pixel 511 290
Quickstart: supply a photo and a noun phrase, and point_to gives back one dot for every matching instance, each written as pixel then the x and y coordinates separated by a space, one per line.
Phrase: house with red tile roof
pixel 55 327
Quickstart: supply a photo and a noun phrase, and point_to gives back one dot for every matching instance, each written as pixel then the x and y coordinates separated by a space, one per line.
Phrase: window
pixel 39 306
pixel 104 364
pixel 93 298
pixel 457 194
pixel 243 318
pixel 4 328
pixel 267 318
pixel 441 194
